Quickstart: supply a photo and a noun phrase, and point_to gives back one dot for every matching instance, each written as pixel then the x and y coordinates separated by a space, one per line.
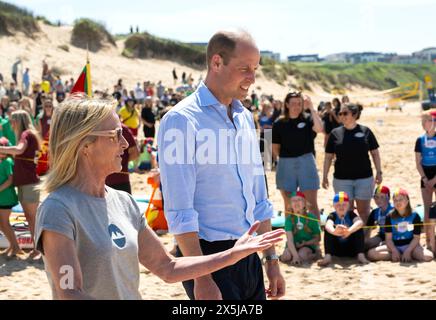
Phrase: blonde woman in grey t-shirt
pixel 93 237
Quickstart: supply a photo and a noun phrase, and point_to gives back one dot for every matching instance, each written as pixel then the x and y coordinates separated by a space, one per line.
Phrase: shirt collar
pixel 206 98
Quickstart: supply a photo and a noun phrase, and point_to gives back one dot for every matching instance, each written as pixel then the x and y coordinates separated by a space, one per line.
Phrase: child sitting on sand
pixel 303 232
pixel 378 217
pixel 403 230
pixel 8 199
pixel 343 236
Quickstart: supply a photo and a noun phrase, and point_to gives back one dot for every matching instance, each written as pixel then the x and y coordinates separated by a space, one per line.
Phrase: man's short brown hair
pixel 224 43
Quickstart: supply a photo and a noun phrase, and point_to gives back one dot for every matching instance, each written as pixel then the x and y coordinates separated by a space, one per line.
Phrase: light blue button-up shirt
pixel 211 169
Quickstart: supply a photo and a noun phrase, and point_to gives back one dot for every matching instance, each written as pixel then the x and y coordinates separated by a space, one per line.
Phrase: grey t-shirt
pixel 105 232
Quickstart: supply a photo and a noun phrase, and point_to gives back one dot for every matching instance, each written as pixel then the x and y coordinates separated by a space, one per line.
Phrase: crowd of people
pixel 295 123
pixel 95 154
pixel 25 120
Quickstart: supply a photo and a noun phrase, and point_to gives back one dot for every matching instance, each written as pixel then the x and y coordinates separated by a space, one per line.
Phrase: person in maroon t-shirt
pixel 44 119
pixel 121 180
pixel 25 178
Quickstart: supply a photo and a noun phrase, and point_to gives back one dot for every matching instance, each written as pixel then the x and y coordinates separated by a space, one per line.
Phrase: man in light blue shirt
pixel 212 175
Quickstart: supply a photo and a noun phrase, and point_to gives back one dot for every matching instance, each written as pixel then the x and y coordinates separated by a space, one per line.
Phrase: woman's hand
pixel 339 230
pixel 296 260
pixel 301 244
pixel 249 244
pixel 307 103
pixel 345 233
pixel 378 178
pixel 325 183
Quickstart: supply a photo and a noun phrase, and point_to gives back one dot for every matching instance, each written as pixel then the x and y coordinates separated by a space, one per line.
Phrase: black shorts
pixel 432 211
pixel 430 172
pixel 241 281
pixel 7 207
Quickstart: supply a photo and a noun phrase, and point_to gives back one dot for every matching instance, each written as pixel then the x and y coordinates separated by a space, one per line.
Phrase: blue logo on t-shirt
pixel 117 236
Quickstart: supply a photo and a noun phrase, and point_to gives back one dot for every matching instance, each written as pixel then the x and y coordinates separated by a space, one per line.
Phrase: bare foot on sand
pixel 35 255
pixel 326 261
pixel 362 259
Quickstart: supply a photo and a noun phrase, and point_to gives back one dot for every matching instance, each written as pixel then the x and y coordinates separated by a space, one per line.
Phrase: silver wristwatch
pixel 271 257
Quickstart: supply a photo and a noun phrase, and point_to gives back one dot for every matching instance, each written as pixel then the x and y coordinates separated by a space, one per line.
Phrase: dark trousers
pixel 353 245
pixel 241 281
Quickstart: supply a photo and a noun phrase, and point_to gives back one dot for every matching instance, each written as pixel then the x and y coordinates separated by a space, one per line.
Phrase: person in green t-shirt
pixel 303 233
pixel 8 199
pixel 7 131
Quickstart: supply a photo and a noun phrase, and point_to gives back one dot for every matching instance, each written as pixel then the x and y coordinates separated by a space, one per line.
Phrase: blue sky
pixel 288 27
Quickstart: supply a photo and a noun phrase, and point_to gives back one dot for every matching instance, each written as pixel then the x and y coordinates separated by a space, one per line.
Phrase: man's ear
pixel 216 62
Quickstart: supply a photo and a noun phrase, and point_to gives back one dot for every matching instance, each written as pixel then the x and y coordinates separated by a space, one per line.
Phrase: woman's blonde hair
pixel 72 122
pixel 23 122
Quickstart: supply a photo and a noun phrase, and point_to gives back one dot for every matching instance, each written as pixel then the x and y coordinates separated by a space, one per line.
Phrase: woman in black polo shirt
pixel 293 142
pixel 351 144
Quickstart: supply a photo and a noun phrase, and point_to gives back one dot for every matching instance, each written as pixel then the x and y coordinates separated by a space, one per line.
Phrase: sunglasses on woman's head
pixel 344 113
pixel 295 94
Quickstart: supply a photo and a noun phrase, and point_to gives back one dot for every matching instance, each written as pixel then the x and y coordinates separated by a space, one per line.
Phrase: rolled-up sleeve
pixel 176 142
pixel 263 210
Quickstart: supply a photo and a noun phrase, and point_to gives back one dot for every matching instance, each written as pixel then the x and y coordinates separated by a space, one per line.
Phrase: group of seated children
pixel 398 237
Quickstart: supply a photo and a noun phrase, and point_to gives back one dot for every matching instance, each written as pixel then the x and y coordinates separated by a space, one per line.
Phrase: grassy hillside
pixel 14 19
pixel 91 34
pixel 377 76
pixel 145 45
pixel 94 35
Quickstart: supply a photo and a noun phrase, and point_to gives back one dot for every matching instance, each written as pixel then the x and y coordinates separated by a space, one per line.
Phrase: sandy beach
pixel 396 133
pixel 345 279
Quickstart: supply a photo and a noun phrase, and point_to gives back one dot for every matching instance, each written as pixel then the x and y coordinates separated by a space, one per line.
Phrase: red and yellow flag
pixel 83 83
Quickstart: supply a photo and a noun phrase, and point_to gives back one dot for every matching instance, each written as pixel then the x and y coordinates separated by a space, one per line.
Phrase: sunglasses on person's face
pixel 344 113
pixel 114 134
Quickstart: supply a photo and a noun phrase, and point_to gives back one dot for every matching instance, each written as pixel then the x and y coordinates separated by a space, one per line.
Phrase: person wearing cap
pixel 129 116
pixel 352 144
pixel 303 232
pixel 377 217
pixel 343 236
pixel 425 159
pixel 403 230
pixel 8 199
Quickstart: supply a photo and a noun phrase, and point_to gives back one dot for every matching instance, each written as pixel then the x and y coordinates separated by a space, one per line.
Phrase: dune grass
pixel 15 19
pixel 377 76
pixel 145 45
pixel 90 34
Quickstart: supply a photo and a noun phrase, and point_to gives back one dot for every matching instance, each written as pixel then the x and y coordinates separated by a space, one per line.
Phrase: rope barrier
pixel 364 227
